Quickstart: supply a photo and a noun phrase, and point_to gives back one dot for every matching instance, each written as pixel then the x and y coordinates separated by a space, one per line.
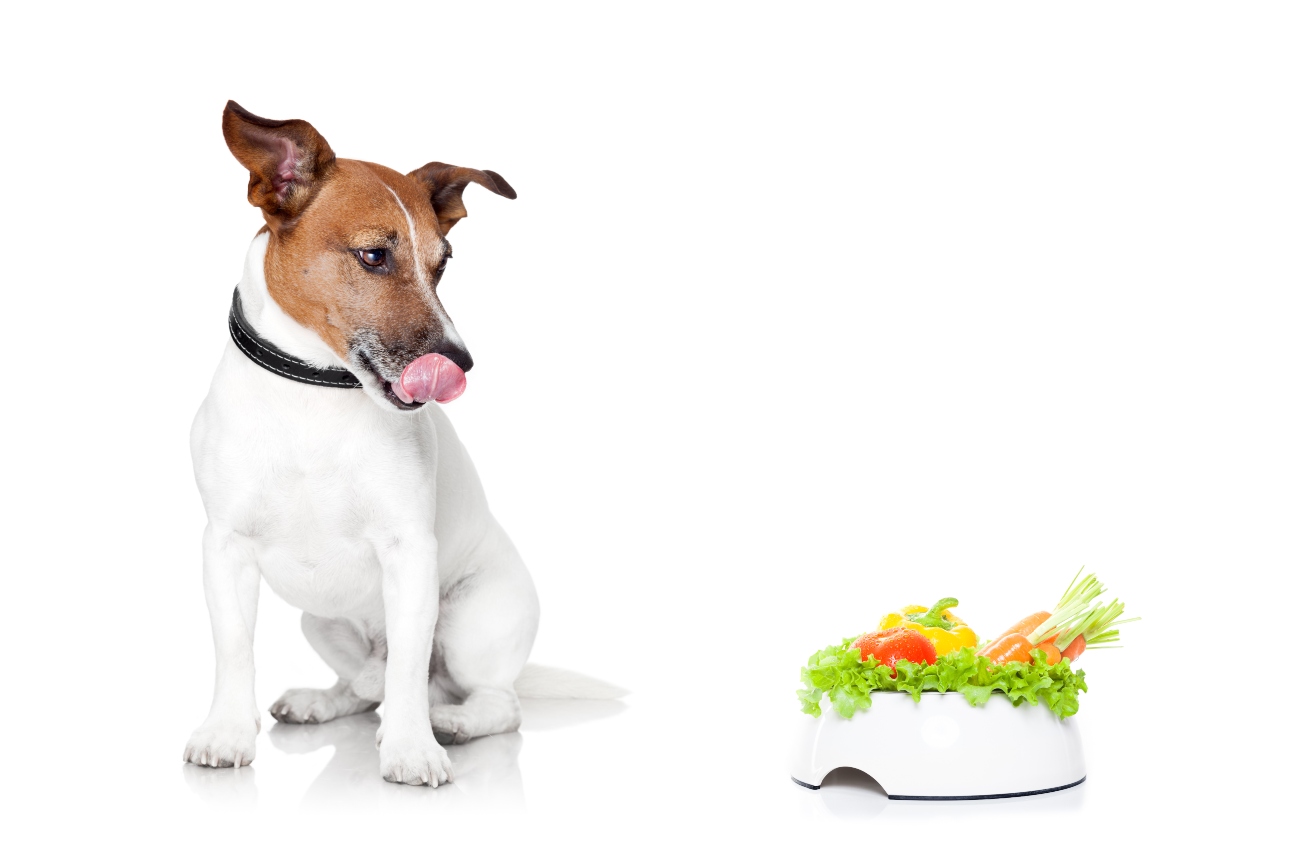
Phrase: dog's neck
pixel 269 320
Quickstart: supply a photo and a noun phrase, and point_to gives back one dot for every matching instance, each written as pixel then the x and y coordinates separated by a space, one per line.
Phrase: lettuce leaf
pixel 839 673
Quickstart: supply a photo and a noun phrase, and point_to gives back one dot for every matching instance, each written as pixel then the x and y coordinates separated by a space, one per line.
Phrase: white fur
pixel 420 273
pixel 372 522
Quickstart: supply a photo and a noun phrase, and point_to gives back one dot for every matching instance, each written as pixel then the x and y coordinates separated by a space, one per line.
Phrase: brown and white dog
pixel 359 506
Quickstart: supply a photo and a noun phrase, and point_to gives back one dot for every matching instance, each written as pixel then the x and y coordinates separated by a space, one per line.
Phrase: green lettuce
pixel 838 673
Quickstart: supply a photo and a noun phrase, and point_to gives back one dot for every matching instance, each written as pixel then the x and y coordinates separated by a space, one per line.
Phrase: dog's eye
pixel 442 266
pixel 373 258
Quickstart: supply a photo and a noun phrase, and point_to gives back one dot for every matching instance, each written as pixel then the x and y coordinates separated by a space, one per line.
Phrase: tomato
pixel 894 644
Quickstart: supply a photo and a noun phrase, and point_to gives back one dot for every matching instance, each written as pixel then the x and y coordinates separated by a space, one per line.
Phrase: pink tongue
pixel 430 377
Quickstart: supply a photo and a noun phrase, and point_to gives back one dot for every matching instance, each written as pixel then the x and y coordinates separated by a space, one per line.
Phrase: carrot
pixel 1027 625
pixel 1072 651
pixel 1053 653
pixel 1009 648
pixel 1077 622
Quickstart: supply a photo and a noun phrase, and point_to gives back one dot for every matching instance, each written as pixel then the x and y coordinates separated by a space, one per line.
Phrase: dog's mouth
pixel 386 387
pixel 429 377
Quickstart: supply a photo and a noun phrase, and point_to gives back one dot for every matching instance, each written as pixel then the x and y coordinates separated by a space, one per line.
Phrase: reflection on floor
pixel 222 786
pixel 487 769
pixel 544 714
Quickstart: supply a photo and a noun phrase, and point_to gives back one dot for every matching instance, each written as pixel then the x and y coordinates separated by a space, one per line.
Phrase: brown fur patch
pixel 313 273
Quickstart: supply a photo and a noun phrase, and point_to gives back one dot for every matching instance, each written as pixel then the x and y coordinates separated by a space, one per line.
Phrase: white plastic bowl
pixel 941 748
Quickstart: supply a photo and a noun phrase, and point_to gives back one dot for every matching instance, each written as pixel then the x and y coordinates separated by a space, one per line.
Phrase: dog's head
pixel 356 254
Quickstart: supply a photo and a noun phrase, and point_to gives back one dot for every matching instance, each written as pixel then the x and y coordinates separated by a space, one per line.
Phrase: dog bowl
pixel 941 748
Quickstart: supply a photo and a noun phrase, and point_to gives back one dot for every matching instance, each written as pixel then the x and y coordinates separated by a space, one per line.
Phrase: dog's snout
pixel 423 341
pixel 458 355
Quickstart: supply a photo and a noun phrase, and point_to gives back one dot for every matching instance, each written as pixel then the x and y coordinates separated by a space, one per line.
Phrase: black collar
pixel 267 355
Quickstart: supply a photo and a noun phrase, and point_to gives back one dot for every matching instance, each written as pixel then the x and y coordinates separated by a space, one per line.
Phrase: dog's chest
pixel 311 531
pixel 316 495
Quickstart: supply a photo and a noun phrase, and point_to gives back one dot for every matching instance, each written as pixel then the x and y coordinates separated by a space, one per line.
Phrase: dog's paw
pixel 416 760
pixel 450 723
pixel 223 743
pixel 313 706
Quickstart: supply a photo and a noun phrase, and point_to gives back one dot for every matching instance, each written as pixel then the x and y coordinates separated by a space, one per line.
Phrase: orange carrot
pixel 1028 625
pixel 1052 651
pixel 1075 650
pixel 1009 648
pixel 1072 652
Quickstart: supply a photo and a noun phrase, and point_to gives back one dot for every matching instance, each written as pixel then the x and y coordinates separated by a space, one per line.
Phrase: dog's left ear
pixel 446 183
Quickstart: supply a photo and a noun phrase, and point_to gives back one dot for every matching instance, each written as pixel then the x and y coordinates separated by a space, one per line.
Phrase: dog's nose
pixel 458 355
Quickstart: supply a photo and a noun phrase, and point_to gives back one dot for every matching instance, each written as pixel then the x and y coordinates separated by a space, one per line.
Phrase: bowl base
pixel 960 797
pixel 982 797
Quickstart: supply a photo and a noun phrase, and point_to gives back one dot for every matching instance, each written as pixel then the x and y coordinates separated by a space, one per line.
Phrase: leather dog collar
pixel 267 355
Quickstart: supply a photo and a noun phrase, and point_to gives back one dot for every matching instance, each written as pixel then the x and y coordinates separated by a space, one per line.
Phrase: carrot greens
pixel 1078 613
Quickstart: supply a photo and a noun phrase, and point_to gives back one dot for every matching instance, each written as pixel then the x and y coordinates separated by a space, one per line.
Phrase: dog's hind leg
pixel 344 649
pixel 484 712
pixel 486 626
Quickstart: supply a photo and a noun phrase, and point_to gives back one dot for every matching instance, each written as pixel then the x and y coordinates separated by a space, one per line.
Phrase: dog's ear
pixel 286 161
pixel 446 184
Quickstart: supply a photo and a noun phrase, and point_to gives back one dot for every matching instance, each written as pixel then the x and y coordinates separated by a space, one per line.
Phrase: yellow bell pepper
pixel 946 631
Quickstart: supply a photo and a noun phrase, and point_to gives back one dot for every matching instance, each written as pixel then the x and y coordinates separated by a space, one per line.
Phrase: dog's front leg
pixel 408 752
pixel 228 737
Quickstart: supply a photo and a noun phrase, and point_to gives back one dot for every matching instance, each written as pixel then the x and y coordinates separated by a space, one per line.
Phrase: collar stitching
pixel 241 332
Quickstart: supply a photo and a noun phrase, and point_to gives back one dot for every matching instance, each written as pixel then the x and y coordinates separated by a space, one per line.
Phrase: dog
pixel 326 468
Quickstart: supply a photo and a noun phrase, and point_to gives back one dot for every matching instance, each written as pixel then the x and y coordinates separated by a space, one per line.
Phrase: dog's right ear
pixel 286 160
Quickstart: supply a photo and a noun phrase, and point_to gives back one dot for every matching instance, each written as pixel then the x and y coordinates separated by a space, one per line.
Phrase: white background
pixel 803 313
